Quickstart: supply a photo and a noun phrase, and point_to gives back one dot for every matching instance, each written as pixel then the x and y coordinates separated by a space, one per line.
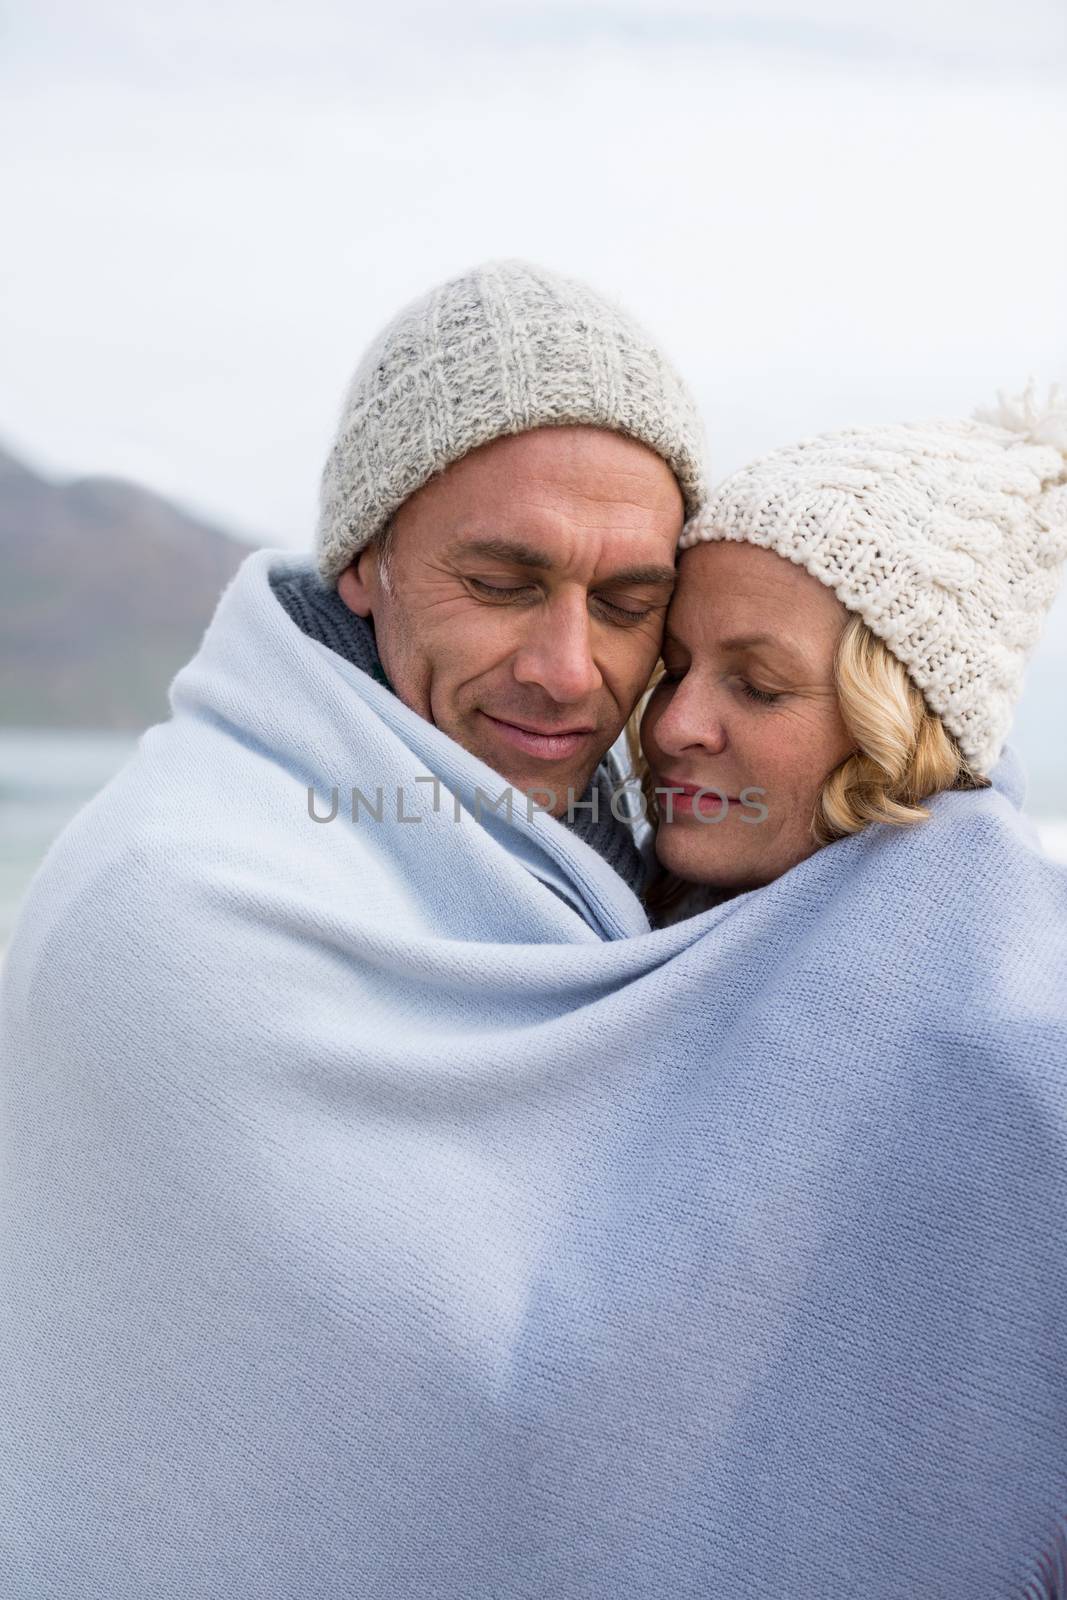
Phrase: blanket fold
pixel 385 1210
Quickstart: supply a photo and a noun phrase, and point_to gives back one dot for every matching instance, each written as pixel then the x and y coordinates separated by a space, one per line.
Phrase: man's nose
pixel 691 721
pixel 557 651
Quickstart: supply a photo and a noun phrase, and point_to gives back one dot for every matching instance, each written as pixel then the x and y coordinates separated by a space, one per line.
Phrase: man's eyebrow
pixel 525 555
pixel 639 575
pixel 510 550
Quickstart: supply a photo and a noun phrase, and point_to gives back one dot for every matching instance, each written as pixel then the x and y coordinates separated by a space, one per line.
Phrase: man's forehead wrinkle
pixel 519 553
pixel 610 499
pixel 613 494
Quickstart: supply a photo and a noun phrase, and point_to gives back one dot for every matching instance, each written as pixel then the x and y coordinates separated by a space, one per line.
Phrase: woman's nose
pixel 557 652
pixel 691 720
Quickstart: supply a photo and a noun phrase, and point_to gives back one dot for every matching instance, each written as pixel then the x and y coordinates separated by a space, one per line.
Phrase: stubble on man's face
pixel 527 590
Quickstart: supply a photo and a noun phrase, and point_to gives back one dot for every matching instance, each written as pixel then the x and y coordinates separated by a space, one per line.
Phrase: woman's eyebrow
pixel 748 641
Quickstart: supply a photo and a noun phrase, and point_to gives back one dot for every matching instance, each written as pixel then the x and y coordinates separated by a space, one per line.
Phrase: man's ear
pixel 357 584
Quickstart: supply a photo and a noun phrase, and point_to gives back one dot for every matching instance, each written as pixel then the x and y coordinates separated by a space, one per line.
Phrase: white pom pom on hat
pixel 947 537
pixel 1023 414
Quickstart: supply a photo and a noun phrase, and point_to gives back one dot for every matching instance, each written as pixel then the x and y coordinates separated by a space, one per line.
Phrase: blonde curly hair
pixel 903 752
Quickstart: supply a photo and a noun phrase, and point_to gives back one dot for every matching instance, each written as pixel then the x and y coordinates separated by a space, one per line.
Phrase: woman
pixel 879 995
pixel 848 639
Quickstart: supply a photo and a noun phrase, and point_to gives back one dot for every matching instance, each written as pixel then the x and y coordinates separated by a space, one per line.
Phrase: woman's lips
pixel 548 746
pixel 708 805
pixel 683 804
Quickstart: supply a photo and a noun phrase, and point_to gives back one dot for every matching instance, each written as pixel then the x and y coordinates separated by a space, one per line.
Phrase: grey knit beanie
pixel 504 348
pixel 947 537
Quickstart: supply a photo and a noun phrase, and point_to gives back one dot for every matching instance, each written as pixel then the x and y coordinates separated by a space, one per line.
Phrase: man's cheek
pixel 630 669
pixel 481 650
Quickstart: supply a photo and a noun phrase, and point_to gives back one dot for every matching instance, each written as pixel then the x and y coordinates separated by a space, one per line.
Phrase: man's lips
pixel 552 744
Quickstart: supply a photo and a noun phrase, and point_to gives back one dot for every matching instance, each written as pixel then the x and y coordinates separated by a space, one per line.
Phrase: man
pixel 500 512
pixel 264 1057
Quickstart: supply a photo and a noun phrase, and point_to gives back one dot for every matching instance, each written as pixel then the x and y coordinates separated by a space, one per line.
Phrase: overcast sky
pixel 210 207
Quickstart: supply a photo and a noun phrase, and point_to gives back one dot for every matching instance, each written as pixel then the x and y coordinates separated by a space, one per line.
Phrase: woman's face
pixel 747 703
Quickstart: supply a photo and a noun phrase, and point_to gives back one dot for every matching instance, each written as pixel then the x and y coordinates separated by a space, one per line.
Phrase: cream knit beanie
pixel 502 349
pixel 947 538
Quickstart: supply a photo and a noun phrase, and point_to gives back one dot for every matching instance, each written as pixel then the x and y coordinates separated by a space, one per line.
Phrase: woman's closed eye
pixel 763 697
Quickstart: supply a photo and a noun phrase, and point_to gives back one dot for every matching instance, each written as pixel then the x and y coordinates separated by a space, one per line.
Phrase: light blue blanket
pixel 386 1212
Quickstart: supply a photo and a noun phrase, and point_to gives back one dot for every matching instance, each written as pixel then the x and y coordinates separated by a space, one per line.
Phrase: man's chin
pixel 545 789
pixel 550 784
pixel 544 786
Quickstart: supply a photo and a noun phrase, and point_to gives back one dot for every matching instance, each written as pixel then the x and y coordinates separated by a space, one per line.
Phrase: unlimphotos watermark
pixel 626 803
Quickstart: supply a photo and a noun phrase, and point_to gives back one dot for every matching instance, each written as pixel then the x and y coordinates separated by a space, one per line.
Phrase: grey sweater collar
pixel 319 611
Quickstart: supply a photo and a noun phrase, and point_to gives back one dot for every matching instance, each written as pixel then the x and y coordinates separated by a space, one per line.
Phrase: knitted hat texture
pixel 504 348
pixel 946 537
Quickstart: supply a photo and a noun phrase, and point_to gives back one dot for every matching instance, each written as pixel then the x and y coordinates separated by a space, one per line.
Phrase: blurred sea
pixel 45 777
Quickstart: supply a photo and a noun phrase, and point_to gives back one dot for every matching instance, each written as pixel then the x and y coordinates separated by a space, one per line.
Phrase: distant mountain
pixel 105 591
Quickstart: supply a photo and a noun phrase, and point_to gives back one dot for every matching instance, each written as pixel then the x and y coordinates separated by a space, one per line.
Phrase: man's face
pixel 527 590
